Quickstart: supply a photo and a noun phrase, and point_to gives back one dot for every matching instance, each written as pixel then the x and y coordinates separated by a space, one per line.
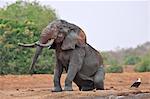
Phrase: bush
pixel 22 11
pixel 22 22
pixel 131 60
pixel 114 69
pixel 144 65
pixel 108 59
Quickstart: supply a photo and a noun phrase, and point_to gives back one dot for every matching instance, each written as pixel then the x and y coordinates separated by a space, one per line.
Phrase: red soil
pixel 40 86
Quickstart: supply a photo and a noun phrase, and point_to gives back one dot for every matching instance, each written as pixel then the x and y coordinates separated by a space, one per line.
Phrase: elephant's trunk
pixel 37 53
pixel 39 46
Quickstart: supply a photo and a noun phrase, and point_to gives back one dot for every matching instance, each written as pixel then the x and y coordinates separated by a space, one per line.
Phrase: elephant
pixel 82 63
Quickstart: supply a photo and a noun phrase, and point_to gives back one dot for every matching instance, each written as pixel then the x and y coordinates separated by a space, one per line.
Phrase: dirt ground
pixel 117 86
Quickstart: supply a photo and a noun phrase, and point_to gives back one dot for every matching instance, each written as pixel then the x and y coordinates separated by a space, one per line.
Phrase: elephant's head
pixel 59 32
pixel 64 33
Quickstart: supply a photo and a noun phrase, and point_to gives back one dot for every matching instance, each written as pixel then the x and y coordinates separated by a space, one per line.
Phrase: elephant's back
pixel 91 61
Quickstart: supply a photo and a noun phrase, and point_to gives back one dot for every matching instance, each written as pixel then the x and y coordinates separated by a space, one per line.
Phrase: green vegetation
pixel 131 60
pixel 109 59
pixel 29 12
pixel 114 69
pixel 139 57
pixel 23 22
pixel 144 65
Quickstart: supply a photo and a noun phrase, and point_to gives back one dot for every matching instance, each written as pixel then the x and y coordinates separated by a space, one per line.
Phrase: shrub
pixel 144 65
pixel 114 69
pixel 108 59
pixel 131 60
pixel 22 22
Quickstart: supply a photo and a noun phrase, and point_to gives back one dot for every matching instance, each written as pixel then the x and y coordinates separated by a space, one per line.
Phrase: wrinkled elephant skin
pixel 83 64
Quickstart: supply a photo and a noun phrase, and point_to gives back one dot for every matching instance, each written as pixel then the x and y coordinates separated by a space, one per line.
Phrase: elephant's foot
pixel 87 88
pixel 99 88
pixel 57 89
pixel 87 85
pixel 100 85
pixel 68 88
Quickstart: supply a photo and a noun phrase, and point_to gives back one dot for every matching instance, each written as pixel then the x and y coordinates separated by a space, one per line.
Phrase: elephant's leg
pixel 99 78
pixel 57 74
pixel 75 65
pixel 84 82
pixel 78 81
pixel 87 85
pixel 84 85
pixel 70 76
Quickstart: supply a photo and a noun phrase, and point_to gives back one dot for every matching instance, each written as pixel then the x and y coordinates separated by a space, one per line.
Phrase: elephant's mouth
pixel 50 42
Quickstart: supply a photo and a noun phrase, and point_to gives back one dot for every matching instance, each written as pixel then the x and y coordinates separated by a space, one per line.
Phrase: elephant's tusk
pixel 45 45
pixel 27 45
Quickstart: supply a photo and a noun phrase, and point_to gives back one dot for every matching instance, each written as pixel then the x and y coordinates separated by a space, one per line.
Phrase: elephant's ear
pixel 74 39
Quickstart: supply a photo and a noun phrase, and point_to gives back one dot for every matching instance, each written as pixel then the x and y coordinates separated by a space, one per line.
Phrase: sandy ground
pixel 117 86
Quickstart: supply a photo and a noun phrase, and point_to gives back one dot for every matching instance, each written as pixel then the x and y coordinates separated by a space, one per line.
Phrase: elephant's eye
pixel 61 29
pixel 60 35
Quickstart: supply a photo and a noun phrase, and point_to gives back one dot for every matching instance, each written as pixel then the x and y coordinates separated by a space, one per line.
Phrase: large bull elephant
pixel 83 64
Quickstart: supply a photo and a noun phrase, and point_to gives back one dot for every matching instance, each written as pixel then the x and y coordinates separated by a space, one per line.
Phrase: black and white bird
pixel 137 83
